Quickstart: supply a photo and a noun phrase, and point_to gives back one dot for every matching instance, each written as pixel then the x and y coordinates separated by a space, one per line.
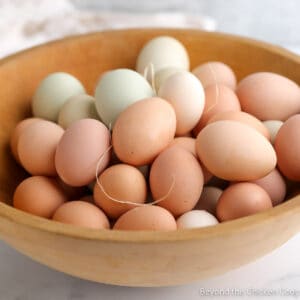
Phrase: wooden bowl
pixel 134 258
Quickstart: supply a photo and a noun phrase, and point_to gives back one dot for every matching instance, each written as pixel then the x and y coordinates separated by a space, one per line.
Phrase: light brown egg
pixel 37 145
pixel 218 98
pixel 242 199
pixel 39 195
pixel 244 118
pixel 143 130
pixel 121 182
pixel 148 217
pixel 177 178
pixel 215 72
pixel 81 213
pixel 234 151
pixel 269 96
pixel 81 147
pixel 209 199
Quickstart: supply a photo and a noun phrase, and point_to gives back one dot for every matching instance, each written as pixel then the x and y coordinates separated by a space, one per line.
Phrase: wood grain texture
pixel 134 258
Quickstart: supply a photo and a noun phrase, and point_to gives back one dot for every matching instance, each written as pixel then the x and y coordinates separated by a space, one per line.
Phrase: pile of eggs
pixel 159 148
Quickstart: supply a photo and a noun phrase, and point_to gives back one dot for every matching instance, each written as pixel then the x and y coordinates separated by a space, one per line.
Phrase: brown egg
pixel 209 199
pixel 39 195
pixel 242 199
pixel 218 98
pixel 148 217
pixel 143 130
pixel 37 145
pixel 287 147
pixel 81 213
pixel 242 117
pixel 176 177
pixel 269 96
pixel 121 182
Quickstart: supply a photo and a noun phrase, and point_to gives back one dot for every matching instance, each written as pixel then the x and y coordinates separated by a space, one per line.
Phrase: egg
pixel 148 217
pixel 123 183
pixel 143 130
pixel 81 213
pixel 37 145
pixel 52 93
pixel 218 98
pixel 80 150
pixel 234 151
pixel 274 185
pixel 244 118
pixel 242 199
pixel 118 89
pixel 39 195
pixel 176 179
pixel 273 126
pixel 215 72
pixel 196 219
pixel 161 76
pixel 269 96
pixel 209 199
pixel 287 146
pixel 162 52
pixel 186 94
pixel 77 107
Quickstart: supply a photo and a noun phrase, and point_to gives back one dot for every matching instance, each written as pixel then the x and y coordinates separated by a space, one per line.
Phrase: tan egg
pixel 186 94
pixel 269 96
pixel 37 145
pixel 273 126
pixel 234 151
pixel 218 98
pixel 81 213
pixel 244 118
pixel 274 185
pixel 196 219
pixel 72 192
pixel 83 147
pixel 161 76
pixel 39 195
pixel 287 147
pixel 21 126
pixel 209 199
pixel 242 199
pixel 215 72
pixel 123 183
pixel 177 178
pixel 148 217
pixel 143 130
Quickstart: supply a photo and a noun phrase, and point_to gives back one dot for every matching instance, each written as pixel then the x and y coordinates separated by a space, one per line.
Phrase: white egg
pixel 52 93
pixel 118 89
pixel 161 75
pixel 273 126
pixel 196 219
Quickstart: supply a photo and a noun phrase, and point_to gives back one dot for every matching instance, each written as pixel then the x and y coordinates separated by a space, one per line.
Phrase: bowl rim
pixel 285 209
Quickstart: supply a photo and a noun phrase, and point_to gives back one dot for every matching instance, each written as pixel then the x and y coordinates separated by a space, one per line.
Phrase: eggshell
pixel 274 185
pixel 162 52
pixel 273 126
pixel 163 74
pixel 52 93
pixel 77 107
pixel 121 182
pixel 196 219
pixel 81 213
pixel 209 199
pixel 269 96
pixel 177 178
pixel 39 195
pixel 37 145
pixel 148 217
pixel 214 72
pixel 242 199
pixel 244 118
pixel 218 98
pixel 143 130
pixel 118 89
pixel 234 151
pixel 81 147
pixel 287 146
pixel 185 93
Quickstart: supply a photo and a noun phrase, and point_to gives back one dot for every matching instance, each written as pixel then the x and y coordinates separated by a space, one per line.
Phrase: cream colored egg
pixel 273 127
pixel 196 219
